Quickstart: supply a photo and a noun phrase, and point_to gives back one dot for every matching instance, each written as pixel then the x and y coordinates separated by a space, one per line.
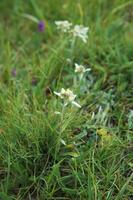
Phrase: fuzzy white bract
pixel 63 26
pixel 67 96
pixel 81 32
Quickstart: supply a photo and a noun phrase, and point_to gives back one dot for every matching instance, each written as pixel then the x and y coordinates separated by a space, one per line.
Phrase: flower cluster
pixel 80 69
pixel 68 96
pixel 63 26
pixel 77 31
pixel 81 32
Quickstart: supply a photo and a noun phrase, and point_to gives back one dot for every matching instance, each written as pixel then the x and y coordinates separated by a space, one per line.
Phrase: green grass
pixel 34 164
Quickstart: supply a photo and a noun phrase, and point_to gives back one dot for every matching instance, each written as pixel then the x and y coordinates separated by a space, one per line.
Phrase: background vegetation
pixel 34 165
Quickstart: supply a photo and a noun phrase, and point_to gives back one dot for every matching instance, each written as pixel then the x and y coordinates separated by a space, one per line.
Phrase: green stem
pixel 59 136
pixel 72 49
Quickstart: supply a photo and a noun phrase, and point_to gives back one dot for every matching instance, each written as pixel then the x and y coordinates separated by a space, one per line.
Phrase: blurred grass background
pixel 29 166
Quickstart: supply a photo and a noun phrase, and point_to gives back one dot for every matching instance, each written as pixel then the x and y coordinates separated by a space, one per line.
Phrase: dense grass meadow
pixel 66 104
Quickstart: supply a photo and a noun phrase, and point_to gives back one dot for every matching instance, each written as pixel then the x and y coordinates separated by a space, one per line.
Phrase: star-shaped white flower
pixel 81 69
pixel 63 26
pixel 81 32
pixel 67 96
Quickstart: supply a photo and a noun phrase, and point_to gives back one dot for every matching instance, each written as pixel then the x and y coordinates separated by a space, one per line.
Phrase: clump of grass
pixel 48 151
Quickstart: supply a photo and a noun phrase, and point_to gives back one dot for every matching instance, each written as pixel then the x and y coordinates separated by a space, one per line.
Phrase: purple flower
pixel 14 72
pixel 41 26
pixel 34 81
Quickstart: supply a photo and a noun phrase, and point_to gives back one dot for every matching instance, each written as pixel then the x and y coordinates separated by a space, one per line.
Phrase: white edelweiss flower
pixel 63 26
pixel 67 96
pixel 81 69
pixel 81 32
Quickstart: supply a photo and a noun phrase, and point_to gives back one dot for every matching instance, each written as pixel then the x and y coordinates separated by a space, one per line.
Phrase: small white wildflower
pixel 63 26
pixel 67 96
pixel 81 69
pixel 81 32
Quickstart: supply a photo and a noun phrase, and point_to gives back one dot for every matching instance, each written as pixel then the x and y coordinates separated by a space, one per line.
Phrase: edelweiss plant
pixel 68 96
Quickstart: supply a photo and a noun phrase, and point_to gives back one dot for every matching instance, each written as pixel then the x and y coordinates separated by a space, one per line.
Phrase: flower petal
pixel 76 104
pixel 58 94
